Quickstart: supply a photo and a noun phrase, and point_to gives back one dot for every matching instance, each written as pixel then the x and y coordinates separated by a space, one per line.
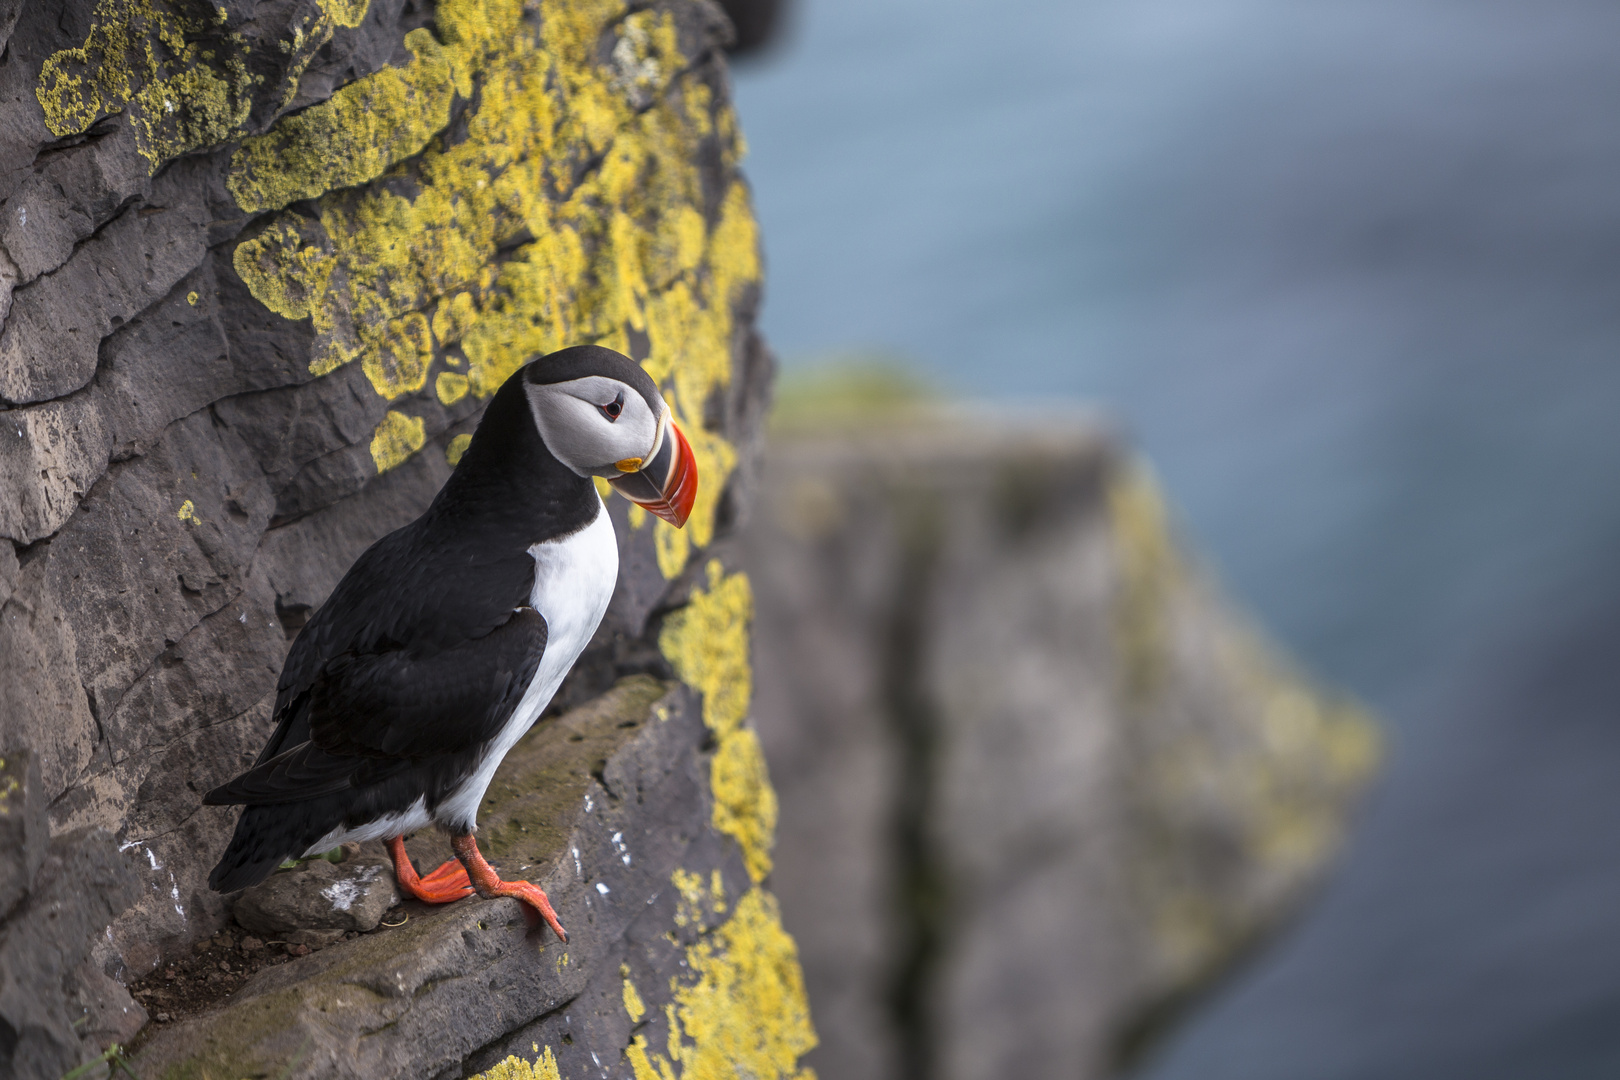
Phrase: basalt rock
pixel 1039 783
pixel 261 264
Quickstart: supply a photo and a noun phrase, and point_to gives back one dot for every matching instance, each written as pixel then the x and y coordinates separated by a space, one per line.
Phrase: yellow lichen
pixel 698 903
pixel 400 365
pixel 191 298
pixel 745 1013
pixel 515 1068
pixel 458 446
pixel 311 33
pixel 450 387
pixel 396 439
pixel 9 786
pixel 644 53
pixel 350 138
pixel 188 512
pixel 633 1005
pixel 744 801
pixel 707 643
pixel 181 81
pixel 348 13
pixel 286 275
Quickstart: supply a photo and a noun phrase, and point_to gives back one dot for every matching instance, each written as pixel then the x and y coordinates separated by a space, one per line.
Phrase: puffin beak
pixel 665 483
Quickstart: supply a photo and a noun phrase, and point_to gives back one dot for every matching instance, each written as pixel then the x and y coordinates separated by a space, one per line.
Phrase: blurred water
pixel 1350 275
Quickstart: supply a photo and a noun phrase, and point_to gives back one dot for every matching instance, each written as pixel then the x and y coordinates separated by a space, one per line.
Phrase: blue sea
pixel 1348 275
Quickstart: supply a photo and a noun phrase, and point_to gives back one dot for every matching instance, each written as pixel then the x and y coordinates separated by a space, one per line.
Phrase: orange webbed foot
pixel 489 885
pixel 444 885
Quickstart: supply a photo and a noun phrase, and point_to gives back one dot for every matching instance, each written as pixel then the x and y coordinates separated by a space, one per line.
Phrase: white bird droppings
pixel 344 893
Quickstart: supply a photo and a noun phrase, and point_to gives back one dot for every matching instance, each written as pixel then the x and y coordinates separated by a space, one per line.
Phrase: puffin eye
pixel 613 408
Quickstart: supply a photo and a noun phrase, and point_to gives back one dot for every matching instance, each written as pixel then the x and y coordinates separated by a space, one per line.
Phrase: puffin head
pixel 601 415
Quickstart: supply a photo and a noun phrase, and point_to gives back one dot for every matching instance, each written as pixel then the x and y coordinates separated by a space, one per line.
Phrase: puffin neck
pixel 508 481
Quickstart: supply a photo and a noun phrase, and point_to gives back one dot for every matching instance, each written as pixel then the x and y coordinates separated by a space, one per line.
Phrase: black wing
pixel 370 714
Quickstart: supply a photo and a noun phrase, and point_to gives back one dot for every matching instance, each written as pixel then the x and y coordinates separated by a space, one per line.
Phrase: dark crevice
pixel 921 900
pixel 501 1043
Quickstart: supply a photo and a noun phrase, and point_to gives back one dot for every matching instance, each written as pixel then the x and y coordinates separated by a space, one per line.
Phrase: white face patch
pixel 576 419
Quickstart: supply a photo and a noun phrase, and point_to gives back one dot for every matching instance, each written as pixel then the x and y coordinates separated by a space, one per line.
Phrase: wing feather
pixel 369 715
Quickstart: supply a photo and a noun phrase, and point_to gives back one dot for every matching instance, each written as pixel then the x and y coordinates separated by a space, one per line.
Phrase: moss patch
pixel 530 805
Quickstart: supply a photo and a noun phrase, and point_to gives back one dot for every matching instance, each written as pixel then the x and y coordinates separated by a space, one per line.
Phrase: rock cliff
pixel 261 263
pixel 1039 784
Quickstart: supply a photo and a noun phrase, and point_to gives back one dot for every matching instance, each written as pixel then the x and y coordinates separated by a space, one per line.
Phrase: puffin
pixel 444 642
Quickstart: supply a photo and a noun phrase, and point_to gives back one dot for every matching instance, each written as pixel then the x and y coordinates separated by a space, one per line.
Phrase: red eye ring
pixel 613 408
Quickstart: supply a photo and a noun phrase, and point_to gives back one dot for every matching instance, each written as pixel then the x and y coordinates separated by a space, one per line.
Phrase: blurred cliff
pixel 1039 782
pixel 1346 274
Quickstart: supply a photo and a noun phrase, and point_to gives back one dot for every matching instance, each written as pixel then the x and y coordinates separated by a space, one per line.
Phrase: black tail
pixel 267 836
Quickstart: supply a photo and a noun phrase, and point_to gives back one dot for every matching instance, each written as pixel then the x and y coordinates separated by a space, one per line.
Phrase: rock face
pixel 609 809
pixel 1038 784
pixel 260 266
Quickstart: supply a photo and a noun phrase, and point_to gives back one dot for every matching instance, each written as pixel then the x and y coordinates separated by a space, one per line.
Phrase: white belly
pixel 573 582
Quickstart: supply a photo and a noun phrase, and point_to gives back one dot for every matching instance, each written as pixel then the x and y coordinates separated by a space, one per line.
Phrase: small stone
pixel 162 1018
pixel 297 950
pixel 110 1014
pixel 251 944
pixel 319 896
pixel 224 965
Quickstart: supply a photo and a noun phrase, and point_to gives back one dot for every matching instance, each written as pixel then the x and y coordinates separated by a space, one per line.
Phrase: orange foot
pixel 447 883
pixel 489 884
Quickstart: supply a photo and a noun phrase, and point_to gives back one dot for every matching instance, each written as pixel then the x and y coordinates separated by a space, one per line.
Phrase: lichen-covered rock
pixel 261 264
pixel 1038 782
pixel 321 896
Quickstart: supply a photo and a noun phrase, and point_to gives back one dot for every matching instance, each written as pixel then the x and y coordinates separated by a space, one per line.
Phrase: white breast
pixel 573 582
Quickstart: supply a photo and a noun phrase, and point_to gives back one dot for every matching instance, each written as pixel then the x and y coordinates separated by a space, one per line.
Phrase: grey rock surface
pixel 24 831
pixel 1039 783
pixel 319 895
pixel 80 888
